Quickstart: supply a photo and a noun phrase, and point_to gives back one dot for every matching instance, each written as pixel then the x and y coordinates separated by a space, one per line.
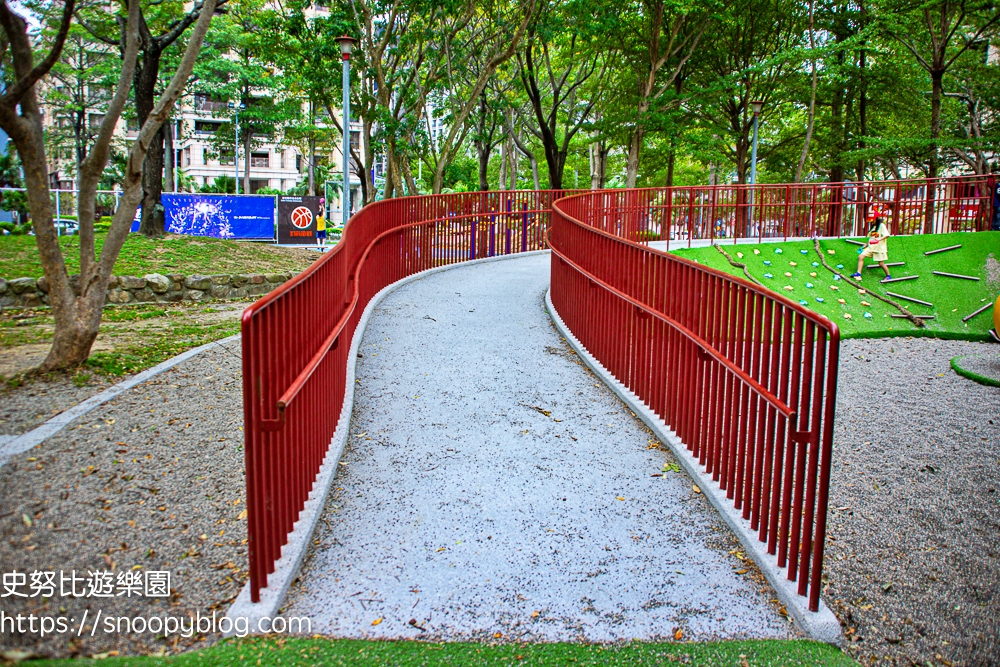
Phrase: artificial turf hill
pixel 794 269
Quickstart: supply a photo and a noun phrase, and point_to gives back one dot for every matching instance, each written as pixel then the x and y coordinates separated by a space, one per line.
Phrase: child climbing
pixel 321 223
pixel 876 248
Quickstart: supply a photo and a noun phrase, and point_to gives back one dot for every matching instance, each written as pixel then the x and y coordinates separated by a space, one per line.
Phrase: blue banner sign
pixel 219 216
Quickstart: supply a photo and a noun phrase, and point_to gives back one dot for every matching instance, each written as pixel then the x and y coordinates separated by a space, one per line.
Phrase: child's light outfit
pixel 877 248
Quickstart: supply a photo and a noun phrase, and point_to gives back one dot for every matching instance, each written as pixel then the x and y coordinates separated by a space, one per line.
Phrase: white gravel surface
pixel 493 485
pixel 913 561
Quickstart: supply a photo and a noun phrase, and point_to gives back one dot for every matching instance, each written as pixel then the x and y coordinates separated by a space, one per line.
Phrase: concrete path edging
pixel 36 436
pixel 821 625
pixel 286 569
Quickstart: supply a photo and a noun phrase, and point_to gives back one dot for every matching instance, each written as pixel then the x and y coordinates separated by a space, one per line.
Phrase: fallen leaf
pixel 376 621
pixel 694 487
pixel 679 634
pixel 741 571
pixel 535 614
pixel 497 635
pixel 441 549
pixel 242 515
pixel 27 520
pixel 621 498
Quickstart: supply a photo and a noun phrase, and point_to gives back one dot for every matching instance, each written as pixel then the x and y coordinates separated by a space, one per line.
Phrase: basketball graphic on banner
pixel 297 219
pixel 302 217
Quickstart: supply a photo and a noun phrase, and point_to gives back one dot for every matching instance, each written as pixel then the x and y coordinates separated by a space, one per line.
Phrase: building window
pixel 298 163
pixel 95 120
pixel 258 184
pixel 226 156
pixel 355 140
pixel 206 126
pixel 206 102
pixel 260 160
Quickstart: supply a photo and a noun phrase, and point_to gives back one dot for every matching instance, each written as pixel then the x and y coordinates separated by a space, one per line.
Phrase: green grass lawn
pixel 953 298
pixel 171 254
pixel 360 653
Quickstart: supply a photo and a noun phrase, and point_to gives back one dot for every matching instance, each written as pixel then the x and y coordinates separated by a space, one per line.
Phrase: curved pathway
pixel 493 485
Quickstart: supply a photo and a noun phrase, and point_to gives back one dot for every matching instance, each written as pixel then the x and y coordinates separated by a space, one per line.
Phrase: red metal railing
pixel 914 206
pixel 297 338
pixel 745 377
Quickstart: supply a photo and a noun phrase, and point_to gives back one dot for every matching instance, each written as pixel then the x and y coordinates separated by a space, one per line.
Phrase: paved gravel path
pixel 914 563
pixel 152 479
pixel 493 485
pixel 26 406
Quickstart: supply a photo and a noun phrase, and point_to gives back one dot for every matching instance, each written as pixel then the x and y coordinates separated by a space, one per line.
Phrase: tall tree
pixel 77 308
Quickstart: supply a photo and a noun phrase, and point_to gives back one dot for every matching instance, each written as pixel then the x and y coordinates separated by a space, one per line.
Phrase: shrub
pixel 6 226
pixel 104 222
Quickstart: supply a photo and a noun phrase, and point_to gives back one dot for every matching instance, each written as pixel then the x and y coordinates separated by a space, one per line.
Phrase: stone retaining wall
pixel 151 288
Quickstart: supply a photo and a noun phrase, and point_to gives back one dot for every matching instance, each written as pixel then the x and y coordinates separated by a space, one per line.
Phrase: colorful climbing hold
pixel 787 274
pixel 792 264
pixel 841 301
pixel 865 303
pixel 812 274
pixel 815 263
pixel 777 251
pixel 809 285
pixel 847 316
pixel 802 302
pixel 767 262
pixel 840 266
pixel 836 277
pixel 868 315
pixel 756 252
pixel 820 299
pixel 831 251
pixel 740 255
pixel 768 275
pixel 788 287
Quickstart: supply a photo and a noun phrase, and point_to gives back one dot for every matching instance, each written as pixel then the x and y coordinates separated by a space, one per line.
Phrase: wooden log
pixel 875 266
pixel 910 298
pixel 919 317
pixel 896 280
pixel 951 247
pixel 971 315
pixel 954 275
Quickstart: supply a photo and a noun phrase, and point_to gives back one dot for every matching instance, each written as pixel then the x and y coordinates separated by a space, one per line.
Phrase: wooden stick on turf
pixel 919 317
pixel 954 275
pixel 738 265
pixel 907 314
pixel 951 247
pixel 910 298
pixel 970 316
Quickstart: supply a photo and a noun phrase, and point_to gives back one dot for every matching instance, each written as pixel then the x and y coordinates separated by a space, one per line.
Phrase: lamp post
pixel 756 106
pixel 236 154
pixel 346 45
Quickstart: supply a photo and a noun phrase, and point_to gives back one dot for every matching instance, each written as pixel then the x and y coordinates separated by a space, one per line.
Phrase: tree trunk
pixel 247 136
pixel 634 146
pixel 811 116
pixel 512 152
pixel 146 76
pixel 168 165
pixel 937 88
pixel 671 159
pixel 484 163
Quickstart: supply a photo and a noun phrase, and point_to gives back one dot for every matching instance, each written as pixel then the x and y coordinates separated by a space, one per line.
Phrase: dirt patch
pixel 992 272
